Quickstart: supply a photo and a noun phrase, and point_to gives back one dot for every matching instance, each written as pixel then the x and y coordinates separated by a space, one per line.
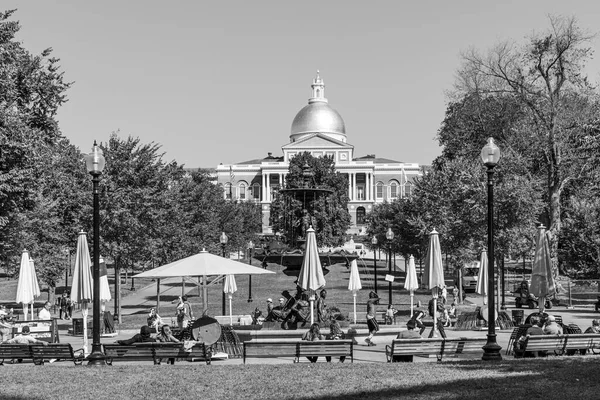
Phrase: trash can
pixel 517 317
pixel 77 326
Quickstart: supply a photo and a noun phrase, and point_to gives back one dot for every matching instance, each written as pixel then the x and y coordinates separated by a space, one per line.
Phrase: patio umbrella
pixel 104 288
pixel 433 276
pixel 203 264
pixel 482 276
pixel 229 289
pixel 82 286
pixel 311 274
pixel 354 284
pixel 27 286
pixel 542 280
pixel 411 283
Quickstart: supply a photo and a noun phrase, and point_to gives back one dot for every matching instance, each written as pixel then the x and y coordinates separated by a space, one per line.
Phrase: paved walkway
pixel 171 288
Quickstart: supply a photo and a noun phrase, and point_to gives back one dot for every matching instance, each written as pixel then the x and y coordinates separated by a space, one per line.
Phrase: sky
pixel 221 81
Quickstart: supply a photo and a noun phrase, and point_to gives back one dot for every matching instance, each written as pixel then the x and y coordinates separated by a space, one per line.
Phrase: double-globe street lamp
pixel 374 243
pixel 490 155
pixel 250 248
pixel 94 163
pixel 389 235
pixel 223 239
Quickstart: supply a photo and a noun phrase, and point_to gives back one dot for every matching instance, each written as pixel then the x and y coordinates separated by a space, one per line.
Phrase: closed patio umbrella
pixel 82 286
pixel 482 276
pixel 311 274
pixel 105 295
pixel 27 286
pixel 542 279
pixel 411 282
pixel 433 276
pixel 229 289
pixel 354 284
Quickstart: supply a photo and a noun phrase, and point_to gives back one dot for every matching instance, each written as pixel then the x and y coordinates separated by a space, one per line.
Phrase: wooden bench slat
pixel 439 347
pixel 319 348
pixel 156 352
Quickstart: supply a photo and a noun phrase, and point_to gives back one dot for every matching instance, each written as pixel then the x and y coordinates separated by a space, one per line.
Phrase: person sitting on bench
pixel 25 338
pixel 142 337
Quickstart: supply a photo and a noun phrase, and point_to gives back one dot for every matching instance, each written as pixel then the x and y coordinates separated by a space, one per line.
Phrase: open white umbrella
pixel 354 284
pixel 411 283
pixel 433 276
pixel 203 264
pixel 104 288
pixel 311 274
pixel 482 276
pixel 83 283
pixel 542 279
pixel 27 286
pixel 229 289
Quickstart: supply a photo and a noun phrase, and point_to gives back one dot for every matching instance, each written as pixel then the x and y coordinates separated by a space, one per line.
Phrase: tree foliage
pixel 330 211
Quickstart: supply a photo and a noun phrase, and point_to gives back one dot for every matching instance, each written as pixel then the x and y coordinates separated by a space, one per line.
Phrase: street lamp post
pixel 250 248
pixel 374 243
pixel 389 235
pixel 502 272
pixel 95 164
pixel 223 239
pixel 490 154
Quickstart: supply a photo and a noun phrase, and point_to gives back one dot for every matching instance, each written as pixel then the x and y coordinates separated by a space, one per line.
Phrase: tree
pixel 546 79
pixel 329 212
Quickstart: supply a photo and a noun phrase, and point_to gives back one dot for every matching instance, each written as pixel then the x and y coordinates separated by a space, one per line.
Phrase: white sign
pixel 389 278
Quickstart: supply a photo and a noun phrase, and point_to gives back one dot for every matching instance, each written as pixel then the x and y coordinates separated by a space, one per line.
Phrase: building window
pixel 360 216
pixel 242 191
pixel 393 190
pixel 256 191
pixel 228 191
pixel 360 192
pixel 379 190
pixel 408 188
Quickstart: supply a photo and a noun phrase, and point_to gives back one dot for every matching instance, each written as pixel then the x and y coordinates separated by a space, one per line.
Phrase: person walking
pixel 372 324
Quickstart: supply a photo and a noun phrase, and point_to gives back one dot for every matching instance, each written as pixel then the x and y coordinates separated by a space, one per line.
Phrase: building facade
pixel 320 130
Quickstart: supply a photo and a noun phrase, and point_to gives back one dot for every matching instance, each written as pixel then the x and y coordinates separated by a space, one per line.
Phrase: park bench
pixel 298 349
pixel 155 352
pixel 15 352
pixel 55 351
pixel 560 344
pixel 438 347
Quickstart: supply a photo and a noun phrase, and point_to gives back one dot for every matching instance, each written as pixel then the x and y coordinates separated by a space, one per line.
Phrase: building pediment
pixel 316 141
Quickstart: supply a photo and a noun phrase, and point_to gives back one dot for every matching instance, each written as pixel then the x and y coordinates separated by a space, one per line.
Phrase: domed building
pixel 320 130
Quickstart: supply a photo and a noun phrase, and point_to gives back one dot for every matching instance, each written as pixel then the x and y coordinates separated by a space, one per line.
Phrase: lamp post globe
pixel 490 155
pixel 223 239
pixel 250 248
pixel 389 235
pixel 95 163
pixel 374 243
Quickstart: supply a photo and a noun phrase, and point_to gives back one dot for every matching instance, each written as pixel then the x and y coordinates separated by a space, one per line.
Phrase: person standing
pixel 63 303
pixel 321 306
pixel 372 317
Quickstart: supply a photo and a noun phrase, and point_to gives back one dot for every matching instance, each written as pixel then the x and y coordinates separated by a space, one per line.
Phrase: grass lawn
pixel 554 378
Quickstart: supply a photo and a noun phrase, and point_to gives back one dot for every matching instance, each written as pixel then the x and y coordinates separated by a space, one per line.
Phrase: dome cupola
pixel 318 116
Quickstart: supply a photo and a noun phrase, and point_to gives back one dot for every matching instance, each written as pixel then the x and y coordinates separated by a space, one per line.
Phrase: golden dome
pixel 318 116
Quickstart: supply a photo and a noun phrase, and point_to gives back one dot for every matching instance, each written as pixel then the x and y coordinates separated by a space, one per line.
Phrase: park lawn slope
pixel 553 378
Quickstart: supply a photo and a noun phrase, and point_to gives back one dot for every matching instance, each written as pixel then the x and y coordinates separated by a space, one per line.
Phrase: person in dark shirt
pixel 409 333
pixel 143 336
pixel 534 330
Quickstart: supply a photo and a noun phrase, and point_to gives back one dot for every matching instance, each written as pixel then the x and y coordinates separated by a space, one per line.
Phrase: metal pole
pixel 223 308
pixel 503 271
pixel 390 272
pixel 570 301
pixel 491 350
pixel 250 276
pixel 96 357
pixel 375 268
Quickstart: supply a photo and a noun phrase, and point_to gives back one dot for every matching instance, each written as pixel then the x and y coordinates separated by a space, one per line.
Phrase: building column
pixel 350 186
pixel 354 186
pixel 367 186
pixel 268 187
pixel 263 188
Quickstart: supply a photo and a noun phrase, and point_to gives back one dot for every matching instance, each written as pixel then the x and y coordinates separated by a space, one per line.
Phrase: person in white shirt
pixel 44 313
